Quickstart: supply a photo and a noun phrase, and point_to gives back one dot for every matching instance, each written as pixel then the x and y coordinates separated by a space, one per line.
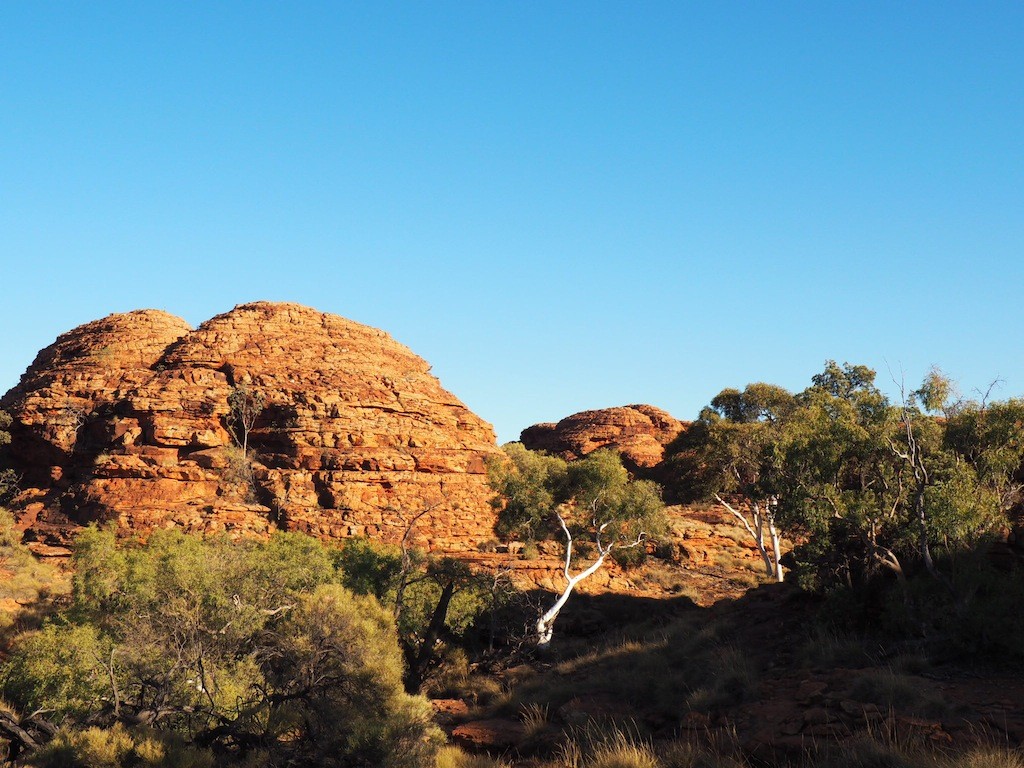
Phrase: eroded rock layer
pixel 128 418
pixel 638 432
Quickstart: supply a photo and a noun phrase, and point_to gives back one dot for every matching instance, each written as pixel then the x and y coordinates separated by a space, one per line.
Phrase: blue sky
pixel 559 205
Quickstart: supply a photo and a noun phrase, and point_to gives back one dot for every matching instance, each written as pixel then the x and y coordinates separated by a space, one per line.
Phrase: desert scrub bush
pixel 116 747
pixel 22 577
pixel 885 750
pixel 238 472
pixel 534 718
pixel 453 757
pixel 889 689
pixel 730 678
pixel 57 670
pixel 684 666
pixel 986 757
pixel 867 752
pixel 596 746
pixel 624 754
pixel 828 647
pixel 710 672
pixel 234 643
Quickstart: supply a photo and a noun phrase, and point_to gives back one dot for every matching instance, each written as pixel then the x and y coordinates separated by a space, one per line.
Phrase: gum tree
pixel 733 454
pixel 592 500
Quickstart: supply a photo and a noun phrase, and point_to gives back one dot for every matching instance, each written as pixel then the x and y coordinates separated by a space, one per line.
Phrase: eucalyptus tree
pixel 592 499
pixel 733 453
pixel 879 486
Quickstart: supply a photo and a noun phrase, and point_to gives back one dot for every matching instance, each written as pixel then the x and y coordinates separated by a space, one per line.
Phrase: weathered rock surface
pixel 638 432
pixel 496 733
pixel 128 418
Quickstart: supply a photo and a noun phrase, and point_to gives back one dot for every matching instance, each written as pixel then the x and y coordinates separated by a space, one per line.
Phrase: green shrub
pixel 234 644
pixel 339 667
pixel 57 669
pixel 453 757
pixel 631 557
pixel 22 577
pixel 116 747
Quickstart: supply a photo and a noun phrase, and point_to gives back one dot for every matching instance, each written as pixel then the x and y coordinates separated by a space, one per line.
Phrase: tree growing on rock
pixel 592 501
pixel 246 403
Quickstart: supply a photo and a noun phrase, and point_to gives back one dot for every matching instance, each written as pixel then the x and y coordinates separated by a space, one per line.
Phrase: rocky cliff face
pixel 128 418
pixel 638 432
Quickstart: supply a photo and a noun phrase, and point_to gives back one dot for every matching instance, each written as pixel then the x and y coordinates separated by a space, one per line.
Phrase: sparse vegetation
pixel 8 478
pixel 24 580
pixel 189 652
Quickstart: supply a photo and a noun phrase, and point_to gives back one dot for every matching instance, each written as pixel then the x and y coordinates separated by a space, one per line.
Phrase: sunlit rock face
pixel 639 433
pixel 128 419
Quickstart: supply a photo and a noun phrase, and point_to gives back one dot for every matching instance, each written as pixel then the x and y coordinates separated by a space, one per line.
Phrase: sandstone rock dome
pixel 638 432
pixel 127 418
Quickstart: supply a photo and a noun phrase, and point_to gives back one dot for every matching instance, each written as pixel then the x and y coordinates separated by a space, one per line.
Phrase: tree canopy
pixel 247 649
pixel 862 483
pixel 592 500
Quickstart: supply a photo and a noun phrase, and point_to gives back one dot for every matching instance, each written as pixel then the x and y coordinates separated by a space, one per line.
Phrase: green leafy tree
pixel 540 497
pixel 732 453
pixel 529 485
pixel 243 648
pixel 865 485
pixel 441 598
pixel 881 486
pixel 843 481
pixel 8 479
pixel 990 437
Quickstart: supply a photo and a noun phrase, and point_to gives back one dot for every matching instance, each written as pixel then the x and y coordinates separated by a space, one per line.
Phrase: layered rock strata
pixel 639 433
pixel 129 418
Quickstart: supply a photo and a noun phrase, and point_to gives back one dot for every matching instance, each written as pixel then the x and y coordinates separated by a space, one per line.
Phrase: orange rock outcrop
pixel 128 419
pixel 638 432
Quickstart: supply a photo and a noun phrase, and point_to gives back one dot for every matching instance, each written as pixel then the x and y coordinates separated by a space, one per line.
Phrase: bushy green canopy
pixel 860 482
pixel 247 648
pixel 592 493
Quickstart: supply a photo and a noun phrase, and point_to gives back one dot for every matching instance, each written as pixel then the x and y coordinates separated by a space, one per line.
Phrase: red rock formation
pixel 128 418
pixel 638 432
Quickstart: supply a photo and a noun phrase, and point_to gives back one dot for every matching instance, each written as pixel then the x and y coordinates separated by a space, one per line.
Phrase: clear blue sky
pixel 559 205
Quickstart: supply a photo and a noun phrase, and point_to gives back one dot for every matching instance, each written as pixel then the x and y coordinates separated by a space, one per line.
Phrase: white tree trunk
pixel 772 559
pixel 777 557
pixel 546 622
